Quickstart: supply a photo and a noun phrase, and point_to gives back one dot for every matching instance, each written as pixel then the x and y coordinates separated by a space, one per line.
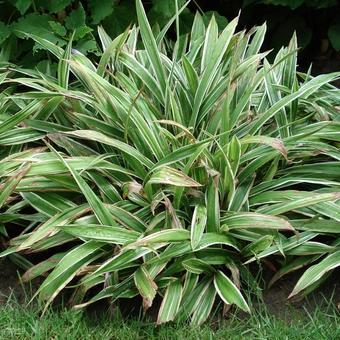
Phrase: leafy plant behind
pixel 293 4
pixel 57 20
pixel 166 167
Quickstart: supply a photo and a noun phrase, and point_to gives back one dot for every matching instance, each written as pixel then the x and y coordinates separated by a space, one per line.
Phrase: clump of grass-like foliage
pixel 167 166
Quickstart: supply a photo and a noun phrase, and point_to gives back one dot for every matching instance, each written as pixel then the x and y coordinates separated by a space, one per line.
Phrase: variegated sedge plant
pixel 168 166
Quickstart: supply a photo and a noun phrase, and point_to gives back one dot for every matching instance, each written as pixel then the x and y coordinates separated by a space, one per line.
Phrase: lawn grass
pixel 22 322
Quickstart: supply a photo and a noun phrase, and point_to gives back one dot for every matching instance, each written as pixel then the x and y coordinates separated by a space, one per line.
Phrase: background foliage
pixel 315 21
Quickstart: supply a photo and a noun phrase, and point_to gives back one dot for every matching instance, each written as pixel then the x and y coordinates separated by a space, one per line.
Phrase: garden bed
pixel 274 298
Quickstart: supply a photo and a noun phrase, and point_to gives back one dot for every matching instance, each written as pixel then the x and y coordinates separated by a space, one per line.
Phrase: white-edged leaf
pixel 170 303
pixel 228 292
pixel 198 223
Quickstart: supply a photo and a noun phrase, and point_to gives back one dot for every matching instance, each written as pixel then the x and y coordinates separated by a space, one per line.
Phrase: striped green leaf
pixel 145 285
pixel 315 272
pixel 228 292
pixel 198 223
pixel 104 233
pixel 170 303
pixel 204 305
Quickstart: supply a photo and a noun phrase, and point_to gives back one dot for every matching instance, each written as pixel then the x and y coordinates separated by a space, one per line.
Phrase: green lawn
pixel 17 322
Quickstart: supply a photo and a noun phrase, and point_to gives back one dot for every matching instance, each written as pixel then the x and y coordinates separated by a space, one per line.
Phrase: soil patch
pixel 276 296
pixel 9 282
